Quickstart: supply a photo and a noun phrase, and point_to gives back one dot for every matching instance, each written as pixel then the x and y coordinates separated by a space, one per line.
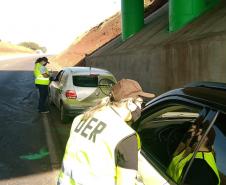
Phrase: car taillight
pixel 71 94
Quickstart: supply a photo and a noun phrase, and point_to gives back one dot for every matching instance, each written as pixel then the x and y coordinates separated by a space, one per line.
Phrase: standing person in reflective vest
pixel 203 169
pixel 42 81
pixel 102 148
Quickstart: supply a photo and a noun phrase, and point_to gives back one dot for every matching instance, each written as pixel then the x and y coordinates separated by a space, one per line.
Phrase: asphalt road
pixel 31 144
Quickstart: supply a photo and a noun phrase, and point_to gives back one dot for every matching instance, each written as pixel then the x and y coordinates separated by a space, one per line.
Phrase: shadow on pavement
pixel 23 138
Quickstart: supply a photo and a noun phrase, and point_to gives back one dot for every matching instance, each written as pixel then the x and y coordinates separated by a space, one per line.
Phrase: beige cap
pixel 127 88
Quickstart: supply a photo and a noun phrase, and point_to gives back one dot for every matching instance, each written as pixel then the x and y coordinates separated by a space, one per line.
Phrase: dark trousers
pixel 43 94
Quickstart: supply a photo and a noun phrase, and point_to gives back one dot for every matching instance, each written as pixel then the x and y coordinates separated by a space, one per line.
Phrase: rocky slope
pixel 97 37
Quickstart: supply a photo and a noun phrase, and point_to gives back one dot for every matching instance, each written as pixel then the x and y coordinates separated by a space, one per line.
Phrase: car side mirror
pixel 105 85
pixel 51 78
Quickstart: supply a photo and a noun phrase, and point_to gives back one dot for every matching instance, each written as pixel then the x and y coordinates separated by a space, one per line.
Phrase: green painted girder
pixel 132 12
pixel 181 12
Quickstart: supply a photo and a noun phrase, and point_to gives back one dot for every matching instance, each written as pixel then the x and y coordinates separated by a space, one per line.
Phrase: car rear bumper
pixel 73 110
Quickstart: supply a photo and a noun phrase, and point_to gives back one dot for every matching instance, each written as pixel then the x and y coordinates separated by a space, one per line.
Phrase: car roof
pixel 212 94
pixel 86 70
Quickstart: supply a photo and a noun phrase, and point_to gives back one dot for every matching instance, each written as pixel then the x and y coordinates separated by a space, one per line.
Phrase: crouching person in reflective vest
pixel 203 170
pixel 102 148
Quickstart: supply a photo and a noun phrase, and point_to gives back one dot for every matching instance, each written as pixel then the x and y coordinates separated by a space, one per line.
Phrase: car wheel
pixel 63 117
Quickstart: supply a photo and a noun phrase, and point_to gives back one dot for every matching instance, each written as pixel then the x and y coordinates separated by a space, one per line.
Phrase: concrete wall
pixel 161 60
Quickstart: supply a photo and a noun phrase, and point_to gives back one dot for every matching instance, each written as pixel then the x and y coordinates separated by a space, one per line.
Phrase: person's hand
pixel 45 75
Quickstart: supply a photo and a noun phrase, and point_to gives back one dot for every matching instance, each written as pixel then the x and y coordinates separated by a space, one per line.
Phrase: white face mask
pixel 135 109
pixel 136 114
pixel 138 102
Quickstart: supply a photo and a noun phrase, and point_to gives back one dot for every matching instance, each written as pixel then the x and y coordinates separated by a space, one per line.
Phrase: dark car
pixel 164 123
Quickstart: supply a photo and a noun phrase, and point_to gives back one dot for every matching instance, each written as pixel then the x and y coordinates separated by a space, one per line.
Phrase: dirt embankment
pixel 90 41
pixel 97 37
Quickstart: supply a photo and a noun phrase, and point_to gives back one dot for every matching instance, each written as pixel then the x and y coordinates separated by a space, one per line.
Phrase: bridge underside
pixel 166 59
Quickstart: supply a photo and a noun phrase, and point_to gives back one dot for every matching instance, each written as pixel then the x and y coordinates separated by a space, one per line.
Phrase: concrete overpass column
pixel 132 12
pixel 182 12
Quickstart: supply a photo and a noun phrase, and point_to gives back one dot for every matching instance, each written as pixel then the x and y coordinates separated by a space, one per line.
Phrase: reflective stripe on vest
pixel 177 164
pixel 64 179
pixel 138 141
pixel 39 78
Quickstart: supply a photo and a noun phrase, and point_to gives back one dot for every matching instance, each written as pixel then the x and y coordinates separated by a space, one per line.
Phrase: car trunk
pixel 87 89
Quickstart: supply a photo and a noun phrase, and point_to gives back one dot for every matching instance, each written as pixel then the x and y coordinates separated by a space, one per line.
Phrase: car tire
pixel 63 117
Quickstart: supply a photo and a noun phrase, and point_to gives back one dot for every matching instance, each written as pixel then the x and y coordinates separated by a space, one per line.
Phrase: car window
pixel 220 146
pixel 58 76
pixel 63 78
pixel 163 130
pixel 85 81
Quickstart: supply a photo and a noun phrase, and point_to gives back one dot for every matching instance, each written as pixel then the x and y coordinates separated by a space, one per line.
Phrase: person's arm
pixel 43 72
pixel 127 161
pixel 200 173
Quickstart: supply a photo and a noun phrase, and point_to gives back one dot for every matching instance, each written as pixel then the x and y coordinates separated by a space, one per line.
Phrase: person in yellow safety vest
pixel 41 82
pixel 203 170
pixel 102 148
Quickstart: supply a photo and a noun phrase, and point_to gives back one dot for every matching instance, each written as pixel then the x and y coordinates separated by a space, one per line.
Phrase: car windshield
pixel 85 81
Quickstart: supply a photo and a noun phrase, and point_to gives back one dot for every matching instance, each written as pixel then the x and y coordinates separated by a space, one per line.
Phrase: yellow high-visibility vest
pixel 39 78
pixel 177 164
pixel 90 152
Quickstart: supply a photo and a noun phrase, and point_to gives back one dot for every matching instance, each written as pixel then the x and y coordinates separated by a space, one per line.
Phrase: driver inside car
pixel 203 170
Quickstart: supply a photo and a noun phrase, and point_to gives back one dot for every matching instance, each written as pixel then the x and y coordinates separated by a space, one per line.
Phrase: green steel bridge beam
pixel 132 12
pixel 182 12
